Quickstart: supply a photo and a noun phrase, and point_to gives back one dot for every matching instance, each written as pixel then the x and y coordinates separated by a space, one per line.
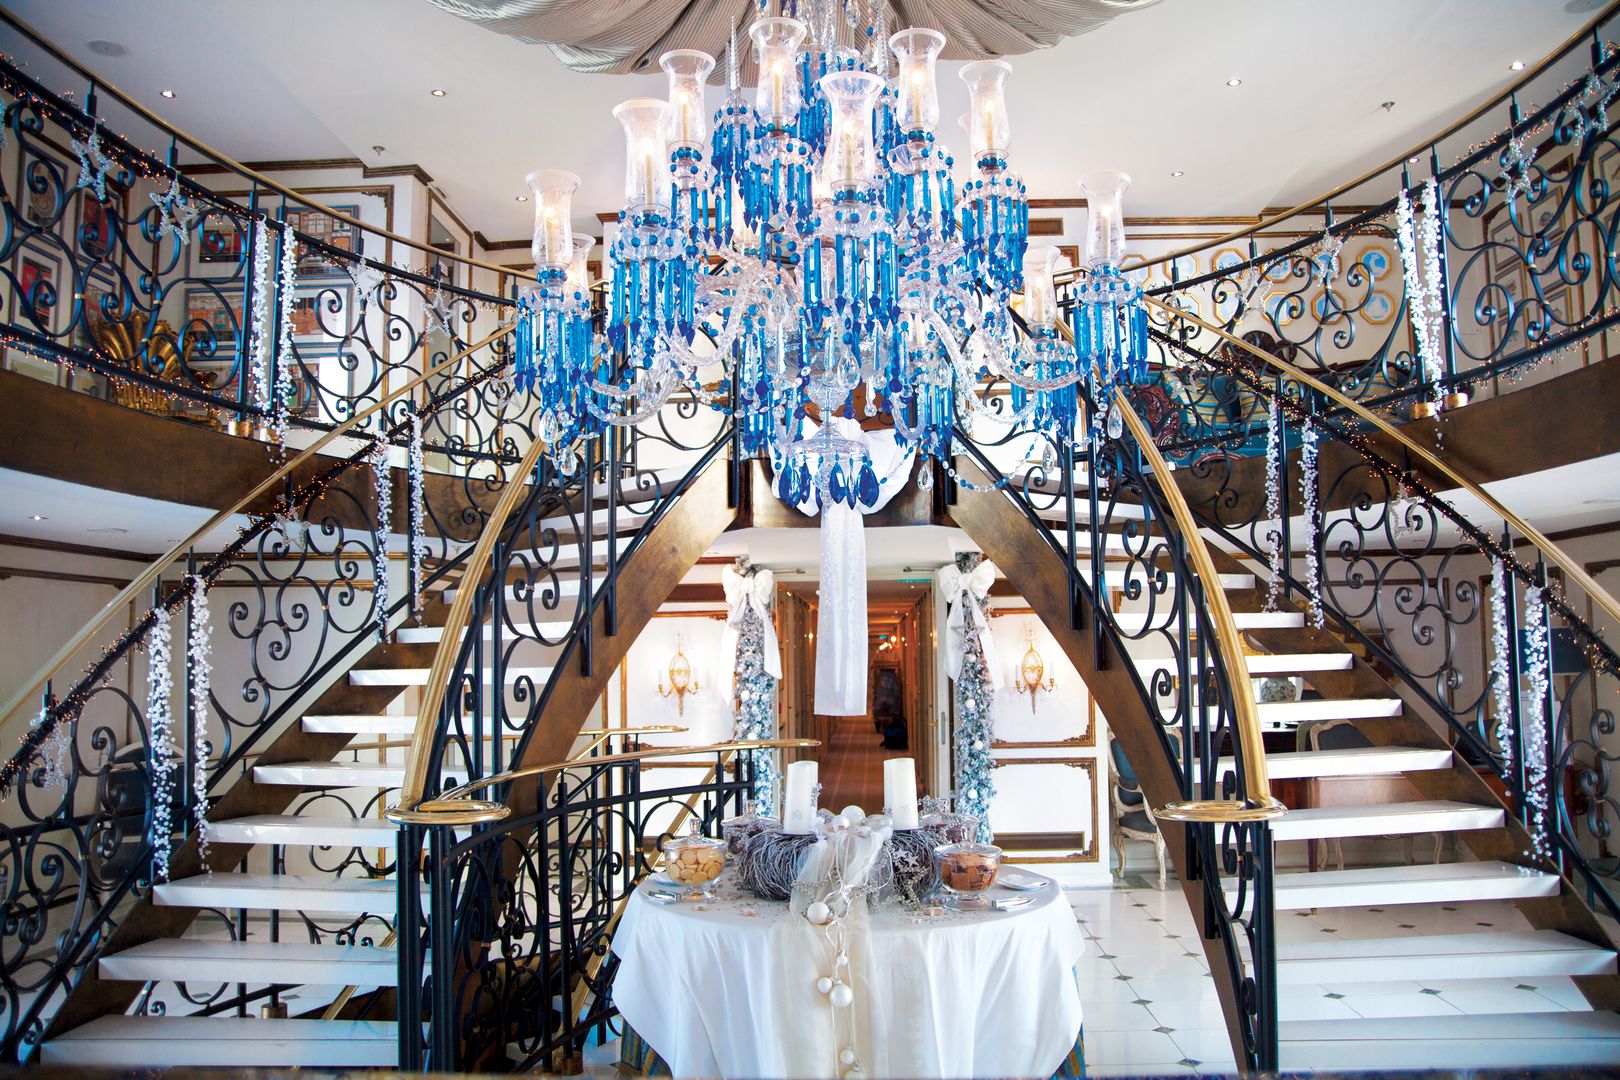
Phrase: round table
pixel 726 987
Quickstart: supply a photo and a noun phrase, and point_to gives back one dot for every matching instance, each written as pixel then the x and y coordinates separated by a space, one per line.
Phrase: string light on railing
pixel 199 669
pixel 166 757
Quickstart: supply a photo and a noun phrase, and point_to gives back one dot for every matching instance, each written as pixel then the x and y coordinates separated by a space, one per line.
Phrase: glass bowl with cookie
pixel 966 871
pixel 693 862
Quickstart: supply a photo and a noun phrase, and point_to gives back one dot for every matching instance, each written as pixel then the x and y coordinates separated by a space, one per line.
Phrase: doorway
pixel 899 693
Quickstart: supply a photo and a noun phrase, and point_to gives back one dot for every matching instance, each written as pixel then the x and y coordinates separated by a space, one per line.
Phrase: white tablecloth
pixel 726 988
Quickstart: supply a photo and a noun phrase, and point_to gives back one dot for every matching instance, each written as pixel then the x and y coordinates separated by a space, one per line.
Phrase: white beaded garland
pixel 824 985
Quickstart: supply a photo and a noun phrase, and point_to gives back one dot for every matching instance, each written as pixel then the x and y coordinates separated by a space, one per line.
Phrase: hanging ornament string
pixel 287 291
pixel 200 666
pixel 1313 523
pixel 165 755
pixel 383 488
pixel 262 345
pixel 1274 556
pixel 1501 672
pixel 1534 736
pixel 418 511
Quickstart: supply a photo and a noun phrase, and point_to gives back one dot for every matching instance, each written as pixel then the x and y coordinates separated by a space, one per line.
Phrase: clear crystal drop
pixel 1116 423
pixel 925 476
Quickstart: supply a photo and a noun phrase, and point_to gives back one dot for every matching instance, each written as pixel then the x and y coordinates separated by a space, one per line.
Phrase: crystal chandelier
pixel 806 259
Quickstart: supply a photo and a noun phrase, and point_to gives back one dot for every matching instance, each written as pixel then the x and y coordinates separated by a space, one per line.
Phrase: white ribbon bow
pixel 754 592
pixel 966 593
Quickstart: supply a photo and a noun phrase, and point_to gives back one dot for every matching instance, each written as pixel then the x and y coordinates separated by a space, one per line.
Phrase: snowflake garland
pixel 1313 525
pixel 1327 259
pixel 1501 670
pixel 383 487
pixel 200 665
pixel 366 278
pixel 1518 157
pixel 1534 736
pixel 57 751
pixel 418 510
pixel 1419 242
pixel 164 754
pixel 1274 555
pixel 93 164
pixel 176 214
pixel 974 698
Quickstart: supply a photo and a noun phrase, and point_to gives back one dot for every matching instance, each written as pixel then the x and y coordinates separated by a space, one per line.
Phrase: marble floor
pixel 1150 1007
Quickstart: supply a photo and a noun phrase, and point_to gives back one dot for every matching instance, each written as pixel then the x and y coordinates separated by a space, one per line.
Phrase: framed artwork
pixel 99 285
pixel 93 235
pixel 322 313
pixel 41 303
pixel 312 261
pixel 43 184
pixel 219 310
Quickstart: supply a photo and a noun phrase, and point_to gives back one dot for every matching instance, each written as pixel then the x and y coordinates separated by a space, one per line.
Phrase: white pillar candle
pixel 900 791
pixel 799 804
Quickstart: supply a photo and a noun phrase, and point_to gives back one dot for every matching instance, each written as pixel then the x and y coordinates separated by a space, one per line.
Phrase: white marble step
pixel 1425 883
pixel 359 724
pixel 296 962
pixel 1297 712
pixel 626 522
pixel 281 892
pixel 331 774
pixel 232 1042
pixel 565 585
pixel 1264 664
pixel 1468 1041
pixel 1385 819
pixel 296 831
pixel 1514 954
pixel 1116 580
pixel 418 676
pixel 432 635
pixel 1133 622
pixel 1357 761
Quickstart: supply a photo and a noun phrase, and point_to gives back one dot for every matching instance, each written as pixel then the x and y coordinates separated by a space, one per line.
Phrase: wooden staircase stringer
pixel 1023 554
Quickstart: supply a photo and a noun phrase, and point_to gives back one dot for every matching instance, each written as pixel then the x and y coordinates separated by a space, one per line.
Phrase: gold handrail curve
pixel 455 808
pixel 1573 571
pixel 1261 804
pixel 221 158
pixel 1541 66
pixel 148 577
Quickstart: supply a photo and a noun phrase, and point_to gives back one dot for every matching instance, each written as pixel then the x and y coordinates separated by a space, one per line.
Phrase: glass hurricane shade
pixel 646 165
pixel 917 88
pixel 1105 217
pixel 681 682
pixel 688 71
pixel 1040 294
pixel 851 97
pixel 776 47
pixel 579 274
pixel 989 133
pixel 553 194
pixel 1030 672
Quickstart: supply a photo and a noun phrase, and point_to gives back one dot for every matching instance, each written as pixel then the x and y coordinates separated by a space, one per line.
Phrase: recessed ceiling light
pixel 106 48
pixel 1517 65
pixel 1178 172
pixel 110 529
pixel 1234 82
pixel 37 517
pixel 436 92
pixel 521 198
pixel 170 94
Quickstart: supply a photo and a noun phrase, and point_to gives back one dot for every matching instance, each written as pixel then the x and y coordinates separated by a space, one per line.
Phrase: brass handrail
pixel 455 808
pixel 1573 571
pixel 598 736
pixel 32 687
pixel 221 158
pixel 1546 62
pixel 1260 805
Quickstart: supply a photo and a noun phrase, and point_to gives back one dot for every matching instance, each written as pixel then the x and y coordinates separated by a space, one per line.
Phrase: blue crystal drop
pixel 836 486
pixel 867 486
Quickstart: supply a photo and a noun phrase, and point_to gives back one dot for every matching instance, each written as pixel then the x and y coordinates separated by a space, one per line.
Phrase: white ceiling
pixel 1147 93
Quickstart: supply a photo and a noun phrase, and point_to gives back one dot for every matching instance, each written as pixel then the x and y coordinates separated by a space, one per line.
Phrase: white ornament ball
pixel 824 985
pixel 852 815
pixel 846 1056
pixel 842 996
pixel 818 913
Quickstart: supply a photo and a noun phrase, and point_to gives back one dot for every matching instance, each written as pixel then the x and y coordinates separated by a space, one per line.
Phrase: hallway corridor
pixel 852 766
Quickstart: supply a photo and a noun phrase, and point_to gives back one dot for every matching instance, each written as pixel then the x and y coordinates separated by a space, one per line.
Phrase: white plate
pixel 1019 880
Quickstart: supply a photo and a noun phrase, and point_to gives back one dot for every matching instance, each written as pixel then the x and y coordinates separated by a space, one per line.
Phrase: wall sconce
pixel 1030 670
pixel 681 681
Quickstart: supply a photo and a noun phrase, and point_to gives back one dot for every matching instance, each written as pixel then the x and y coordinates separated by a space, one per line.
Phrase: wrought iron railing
pixel 119 266
pixel 1179 646
pixel 1491 628
pixel 1519 267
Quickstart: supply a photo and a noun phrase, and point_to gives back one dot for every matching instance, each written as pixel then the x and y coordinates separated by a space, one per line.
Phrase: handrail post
pixel 1284 532
pixel 1449 323
pixel 443 1038
pixel 408 937
pixel 586 604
